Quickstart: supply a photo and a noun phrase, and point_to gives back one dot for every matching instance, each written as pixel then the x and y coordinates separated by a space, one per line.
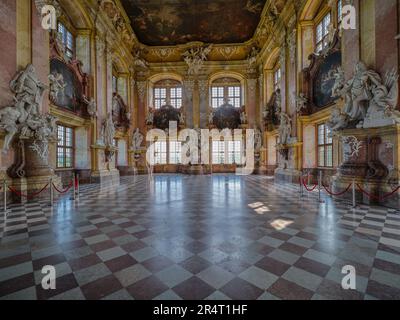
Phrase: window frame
pixel 326 145
pixel 221 92
pixel 164 93
pixel 176 153
pixel 66 36
pixel 322 42
pixel 64 147
pixel 277 78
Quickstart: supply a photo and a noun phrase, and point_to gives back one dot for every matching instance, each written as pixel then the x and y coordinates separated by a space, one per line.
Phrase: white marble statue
pixel 10 117
pixel 340 81
pixel 115 105
pixel 369 101
pixel 301 102
pixel 23 119
pixel 108 131
pixel 285 129
pixel 258 140
pixel 28 88
pixel 92 108
pixel 252 57
pixel 243 117
pixel 211 118
pixel 338 120
pixel 57 85
pixel 137 140
pixel 182 119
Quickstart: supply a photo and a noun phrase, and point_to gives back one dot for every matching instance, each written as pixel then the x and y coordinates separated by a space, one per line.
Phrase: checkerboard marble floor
pixel 199 237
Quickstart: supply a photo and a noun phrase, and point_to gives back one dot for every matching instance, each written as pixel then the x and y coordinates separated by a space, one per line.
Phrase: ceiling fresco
pixel 173 22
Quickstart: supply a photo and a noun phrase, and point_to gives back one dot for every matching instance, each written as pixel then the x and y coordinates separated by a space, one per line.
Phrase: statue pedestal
pixel 31 172
pixel 370 157
pixel 32 186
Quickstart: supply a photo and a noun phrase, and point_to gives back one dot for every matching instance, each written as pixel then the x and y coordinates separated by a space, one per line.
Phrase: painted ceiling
pixel 173 22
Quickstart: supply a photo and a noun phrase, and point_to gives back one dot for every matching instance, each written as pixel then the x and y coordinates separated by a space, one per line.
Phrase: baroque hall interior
pixel 102 101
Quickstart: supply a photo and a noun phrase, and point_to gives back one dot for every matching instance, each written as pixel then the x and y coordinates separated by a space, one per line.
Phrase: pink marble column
pixel 351 45
pixel 387 47
pixel 8 54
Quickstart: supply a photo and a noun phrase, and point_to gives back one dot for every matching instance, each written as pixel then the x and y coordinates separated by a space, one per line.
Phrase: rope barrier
pixel 309 190
pixel 65 191
pixel 336 194
pixel 369 195
pixel 28 196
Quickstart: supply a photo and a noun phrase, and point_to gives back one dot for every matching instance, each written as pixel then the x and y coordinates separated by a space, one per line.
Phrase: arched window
pixel 167 91
pixel 226 88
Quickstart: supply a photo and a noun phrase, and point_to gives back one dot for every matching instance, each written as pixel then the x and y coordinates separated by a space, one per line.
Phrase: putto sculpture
pixel 24 118
pixel 195 58
pixel 57 85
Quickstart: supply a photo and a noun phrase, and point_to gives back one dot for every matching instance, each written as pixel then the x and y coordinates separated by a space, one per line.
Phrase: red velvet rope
pixel 337 194
pixel 66 190
pixel 76 182
pixel 369 195
pixel 309 190
pixel 27 196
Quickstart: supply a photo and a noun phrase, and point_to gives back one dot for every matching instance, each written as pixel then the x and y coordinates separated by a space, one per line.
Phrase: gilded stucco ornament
pixel 195 58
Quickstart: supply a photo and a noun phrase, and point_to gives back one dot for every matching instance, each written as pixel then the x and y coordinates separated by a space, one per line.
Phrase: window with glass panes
pixel 322 33
pixel 65 147
pixel 339 11
pixel 67 40
pixel 175 152
pixel 160 152
pixel 277 79
pixel 167 91
pixel 325 146
pixel 234 152
pixel 218 152
pixel 227 89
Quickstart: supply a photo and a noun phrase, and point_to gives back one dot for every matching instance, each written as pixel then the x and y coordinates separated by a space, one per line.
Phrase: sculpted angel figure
pixel 92 108
pixel 301 102
pixel 211 118
pixel 182 118
pixel 338 120
pixel 195 58
pixel 57 85
pixel 339 77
